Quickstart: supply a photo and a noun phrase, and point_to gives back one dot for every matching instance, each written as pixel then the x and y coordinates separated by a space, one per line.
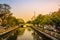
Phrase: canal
pixel 23 34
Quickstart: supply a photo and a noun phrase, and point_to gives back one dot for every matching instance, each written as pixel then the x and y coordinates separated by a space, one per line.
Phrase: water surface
pixel 22 34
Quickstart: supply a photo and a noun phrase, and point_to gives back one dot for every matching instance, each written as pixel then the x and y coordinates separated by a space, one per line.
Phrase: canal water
pixel 22 34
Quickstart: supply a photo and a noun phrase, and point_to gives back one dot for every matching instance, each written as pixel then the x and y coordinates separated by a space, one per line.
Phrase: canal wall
pixel 44 34
pixel 8 30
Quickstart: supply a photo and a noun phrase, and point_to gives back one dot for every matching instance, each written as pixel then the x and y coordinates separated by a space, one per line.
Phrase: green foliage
pixel 20 21
pixel 4 13
pixel 29 22
pixel 55 17
pixel 49 19
pixel 7 18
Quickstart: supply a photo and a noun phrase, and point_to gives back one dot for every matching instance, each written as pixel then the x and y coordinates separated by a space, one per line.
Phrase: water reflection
pixel 10 36
pixel 22 34
pixel 36 36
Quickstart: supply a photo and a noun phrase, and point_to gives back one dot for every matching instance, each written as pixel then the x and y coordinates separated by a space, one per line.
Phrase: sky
pixel 25 8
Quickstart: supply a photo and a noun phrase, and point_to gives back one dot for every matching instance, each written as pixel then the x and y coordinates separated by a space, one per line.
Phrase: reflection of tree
pixel 29 29
pixel 13 34
pixel 39 36
pixel 13 37
pixel 21 31
pixel 36 36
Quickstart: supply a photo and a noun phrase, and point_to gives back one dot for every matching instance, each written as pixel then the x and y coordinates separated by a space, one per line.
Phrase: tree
pixel 55 17
pixel 20 21
pixel 4 13
pixel 29 22
pixel 50 19
pixel 7 18
pixel 37 20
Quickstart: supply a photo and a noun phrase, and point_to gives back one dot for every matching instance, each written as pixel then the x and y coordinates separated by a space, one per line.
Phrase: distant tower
pixel 33 16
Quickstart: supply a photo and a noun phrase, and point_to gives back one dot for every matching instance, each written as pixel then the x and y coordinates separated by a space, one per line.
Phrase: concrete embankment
pixel 8 30
pixel 46 35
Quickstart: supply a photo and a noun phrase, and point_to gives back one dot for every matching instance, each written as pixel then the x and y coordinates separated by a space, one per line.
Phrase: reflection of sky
pixel 24 8
pixel 26 36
